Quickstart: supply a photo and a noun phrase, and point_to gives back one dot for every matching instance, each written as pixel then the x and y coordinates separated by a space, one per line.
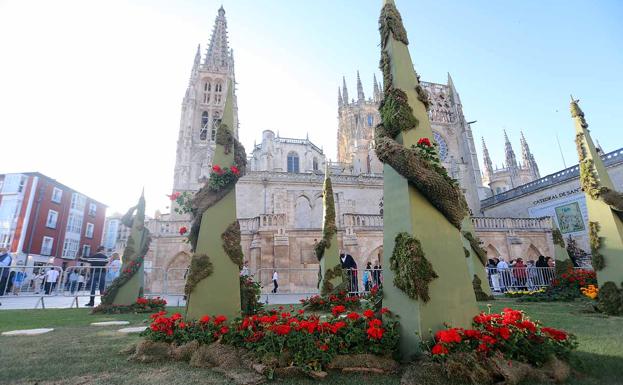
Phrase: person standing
pixel 98 263
pixel 275 283
pixel 519 272
pixel 348 263
pixel 114 266
pixel 38 281
pixel 18 281
pixel 502 268
pixel 5 269
pixel 367 277
pixel 51 277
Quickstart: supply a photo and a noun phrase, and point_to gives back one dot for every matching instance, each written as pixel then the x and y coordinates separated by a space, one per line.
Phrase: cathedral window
pixel 442 146
pixel 370 120
pixel 293 162
pixel 203 133
pixel 215 123
pixel 315 164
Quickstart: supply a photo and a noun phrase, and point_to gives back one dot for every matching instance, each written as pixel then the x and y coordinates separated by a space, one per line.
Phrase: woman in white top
pixel 275 278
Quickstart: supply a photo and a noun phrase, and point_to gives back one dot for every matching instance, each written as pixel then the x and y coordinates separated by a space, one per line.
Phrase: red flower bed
pixel 312 341
pixel 510 333
pixel 327 303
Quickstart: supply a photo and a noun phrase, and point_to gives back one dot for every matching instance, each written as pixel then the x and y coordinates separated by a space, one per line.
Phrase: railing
pixel 363 221
pixel 249 225
pixel 496 224
pixel 609 159
pixel 271 221
pixel 52 283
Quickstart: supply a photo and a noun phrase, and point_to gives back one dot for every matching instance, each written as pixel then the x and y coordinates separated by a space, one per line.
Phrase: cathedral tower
pixel 202 109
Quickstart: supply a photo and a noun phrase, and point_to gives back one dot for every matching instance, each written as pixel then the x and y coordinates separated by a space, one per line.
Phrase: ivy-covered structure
pixel 476 258
pixel 424 207
pixel 128 286
pixel 213 284
pixel 327 251
pixel 604 205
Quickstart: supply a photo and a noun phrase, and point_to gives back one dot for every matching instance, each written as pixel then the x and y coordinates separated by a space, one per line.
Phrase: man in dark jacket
pixel 98 262
pixel 348 262
pixel 5 269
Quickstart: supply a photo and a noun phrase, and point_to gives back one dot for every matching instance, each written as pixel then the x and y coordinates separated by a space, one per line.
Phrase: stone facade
pixel 556 195
pixel 451 133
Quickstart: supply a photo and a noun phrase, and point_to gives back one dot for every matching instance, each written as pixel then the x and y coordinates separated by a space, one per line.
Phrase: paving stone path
pixel 27 332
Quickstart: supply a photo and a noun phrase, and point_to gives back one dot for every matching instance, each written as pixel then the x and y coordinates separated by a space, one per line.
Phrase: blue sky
pixel 99 85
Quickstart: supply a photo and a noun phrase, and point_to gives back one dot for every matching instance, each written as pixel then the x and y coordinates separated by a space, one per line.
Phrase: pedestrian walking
pixel 38 280
pixel 18 281
pixel 5 269
pixel 98 262
pixel 275 283
pixel 51 277
pixel 367 277
pixel 73 281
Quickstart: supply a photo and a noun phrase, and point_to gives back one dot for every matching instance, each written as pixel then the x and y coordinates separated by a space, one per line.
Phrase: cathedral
pixel 279 200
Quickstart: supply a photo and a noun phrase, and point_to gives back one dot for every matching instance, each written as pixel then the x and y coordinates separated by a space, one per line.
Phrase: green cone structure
pixel 213 284
pixel 604 205
pixel 128 286
pixel 428 282
pixel 330 278
pixel 476 258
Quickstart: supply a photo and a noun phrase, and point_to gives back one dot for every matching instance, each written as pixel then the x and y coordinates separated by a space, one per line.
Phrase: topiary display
pixel 208 196
pixel 610 299
pixel 474 242
pixel 412 271
pixel 331 274
pixel 200 268
pixel 390 23
pixel 329 229
pixel 133 255
pixel 480 294
pixel 595 240
pixel 231 243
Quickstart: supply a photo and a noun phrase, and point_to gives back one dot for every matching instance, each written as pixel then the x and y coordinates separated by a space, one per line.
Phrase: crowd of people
pixel 519 275
pixel 95 272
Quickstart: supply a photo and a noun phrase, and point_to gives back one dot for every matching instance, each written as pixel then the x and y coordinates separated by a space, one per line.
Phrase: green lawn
pixel 76 353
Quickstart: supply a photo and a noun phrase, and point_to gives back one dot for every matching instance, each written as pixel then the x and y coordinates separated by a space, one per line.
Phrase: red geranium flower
pixel 439 349
pixel 424 141
pixel 183 230
pixel 174 196
pixel 324 347
pixel 224 330
pixel 338 309
pixel 205 319
pixel 368 313
pixel 375 333
pixel 219 319
pixel 353 316
pixel 384 310
pixel 176 316
pixel 235 170
pixel 448 336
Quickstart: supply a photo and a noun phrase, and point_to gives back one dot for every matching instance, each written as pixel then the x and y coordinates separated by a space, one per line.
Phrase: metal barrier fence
pixel 77 282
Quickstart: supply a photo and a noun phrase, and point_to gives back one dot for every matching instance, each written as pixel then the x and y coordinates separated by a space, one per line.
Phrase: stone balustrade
pixel 498 224
pixel 249 225
pixel 363 221
pixel 159 228
pixel 272 221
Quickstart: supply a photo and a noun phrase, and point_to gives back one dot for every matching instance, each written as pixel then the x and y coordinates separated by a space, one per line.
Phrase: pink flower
pixel 183 230
pixel 174 196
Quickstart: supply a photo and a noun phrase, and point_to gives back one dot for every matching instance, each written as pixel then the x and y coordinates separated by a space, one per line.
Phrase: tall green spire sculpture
pixel 128 286
pixel 427 283
pixel 330 277
pixel 604 205
pixel 213 284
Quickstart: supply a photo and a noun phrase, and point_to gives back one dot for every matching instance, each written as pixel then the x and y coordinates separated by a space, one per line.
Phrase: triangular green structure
pixel 128 286
pixel 604 205
pixel 561 255
pixel 327 250
pixel 213 284
pixel 428 283
pixel 476 258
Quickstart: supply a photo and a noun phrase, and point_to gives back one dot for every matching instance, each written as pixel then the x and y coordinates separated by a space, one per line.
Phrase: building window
pixel 203 133
pixel 370 120
pixel 92 209
pixel 315 164
pixel 207 87
pixel 57 194
pixel 74 224
pixel 46 245
pixel 89 230
pixel 442 146
pixel 5 240
pixel 293 162
pixel 86 250
pixel 215 123
pixel 218 88
pixel 78 201
pixel 52 218
pixel 70 248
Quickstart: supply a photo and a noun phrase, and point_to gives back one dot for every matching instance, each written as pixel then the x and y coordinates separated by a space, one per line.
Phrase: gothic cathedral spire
pixel 217 57
pixel 487 159
pixel 344 91
pixel 377 92
pixel 509 154
pixel 360 96
pixel 528 158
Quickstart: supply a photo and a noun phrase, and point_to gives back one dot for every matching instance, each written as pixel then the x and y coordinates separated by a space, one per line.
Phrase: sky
pixel 90 91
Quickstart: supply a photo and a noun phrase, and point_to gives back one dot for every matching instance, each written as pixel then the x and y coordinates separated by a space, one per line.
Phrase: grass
pixel 77 353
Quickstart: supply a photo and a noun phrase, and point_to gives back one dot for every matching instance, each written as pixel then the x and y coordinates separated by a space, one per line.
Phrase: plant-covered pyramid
pixel 476 258
pixel 330 277
pixel 213 284
pixel 128 286
pixel 605 211
pixel 428 282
